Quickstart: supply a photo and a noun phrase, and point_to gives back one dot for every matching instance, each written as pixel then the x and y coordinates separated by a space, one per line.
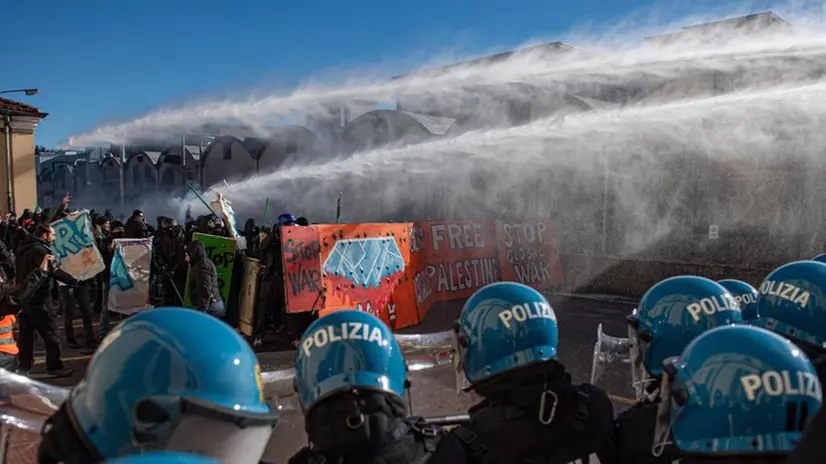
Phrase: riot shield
pixel 25 404
pixel 608 350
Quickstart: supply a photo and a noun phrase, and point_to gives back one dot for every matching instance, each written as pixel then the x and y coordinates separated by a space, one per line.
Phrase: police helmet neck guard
pixel 738 391
pixel 674 312
pixel 505 326
pixel 792 303
pixel 346 351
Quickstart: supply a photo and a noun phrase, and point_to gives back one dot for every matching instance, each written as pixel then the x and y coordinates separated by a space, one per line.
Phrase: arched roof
pixel 278 136
pixel 110 159
pixel 151 156
pixel 46 173
pixel 64 168
pixel 222 144
pixel 172 155
pixel 387 126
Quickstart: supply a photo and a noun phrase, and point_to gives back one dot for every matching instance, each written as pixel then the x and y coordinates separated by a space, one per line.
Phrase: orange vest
pixel 7 343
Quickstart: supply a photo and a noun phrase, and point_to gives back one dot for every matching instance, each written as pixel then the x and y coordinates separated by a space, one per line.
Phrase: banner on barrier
pixel 301 256
pixel 221 251
pixel 454 259
pixel 528 253
pixel 75 246
pixel 367 267
pixel 129 275
pixel 399 271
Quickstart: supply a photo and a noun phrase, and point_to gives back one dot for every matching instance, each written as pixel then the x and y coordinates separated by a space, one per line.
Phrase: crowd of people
pixel 42 294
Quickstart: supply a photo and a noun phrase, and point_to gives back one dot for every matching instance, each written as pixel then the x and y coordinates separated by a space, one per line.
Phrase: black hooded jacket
pixel 203 288
pixel 506 426
pixel 31 251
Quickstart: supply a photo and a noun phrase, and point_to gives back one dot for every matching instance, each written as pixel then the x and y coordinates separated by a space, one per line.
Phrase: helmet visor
pixel 662 424
pixel 640 378
pixel 222 440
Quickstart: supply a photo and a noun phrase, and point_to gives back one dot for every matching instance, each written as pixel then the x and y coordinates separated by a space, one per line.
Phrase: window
pixel 292 146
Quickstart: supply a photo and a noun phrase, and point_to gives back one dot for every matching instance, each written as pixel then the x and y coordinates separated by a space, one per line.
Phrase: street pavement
pixel 433 392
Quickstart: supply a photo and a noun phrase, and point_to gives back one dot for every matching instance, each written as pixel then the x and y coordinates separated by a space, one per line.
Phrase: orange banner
pixel 301 255
pixel 367 267
pixel 398 271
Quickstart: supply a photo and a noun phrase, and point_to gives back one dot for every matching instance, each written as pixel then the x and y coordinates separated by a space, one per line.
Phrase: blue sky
pixel 96 61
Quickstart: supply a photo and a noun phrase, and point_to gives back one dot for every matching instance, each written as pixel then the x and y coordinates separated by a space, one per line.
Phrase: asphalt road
pixel 433 392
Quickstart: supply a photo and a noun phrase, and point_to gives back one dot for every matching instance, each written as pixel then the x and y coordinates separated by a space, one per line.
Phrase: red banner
pixel 528 254
pixel 455 259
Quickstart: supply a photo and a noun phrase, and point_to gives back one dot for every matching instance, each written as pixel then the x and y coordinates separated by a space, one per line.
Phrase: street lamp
pixel 28 92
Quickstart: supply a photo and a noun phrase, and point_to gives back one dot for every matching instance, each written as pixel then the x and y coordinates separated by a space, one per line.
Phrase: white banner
pixel 129 277
pixel 75 247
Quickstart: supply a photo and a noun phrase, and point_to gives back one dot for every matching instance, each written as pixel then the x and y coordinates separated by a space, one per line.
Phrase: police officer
pixel 170 379
pixel 737 394
pixel 671 314
pixel 507 336
pixel 351 379
pixel 792 303
pixel 745 295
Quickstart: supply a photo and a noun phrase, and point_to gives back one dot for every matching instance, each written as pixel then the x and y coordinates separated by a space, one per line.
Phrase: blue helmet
pixel 503 326
pixel 738 390
pixel 165 371
pixel 744 294
pixel 821 258
pixel 792 302
pixel 161 457
pixel 285 219
pixel 671 314
pixel 348 350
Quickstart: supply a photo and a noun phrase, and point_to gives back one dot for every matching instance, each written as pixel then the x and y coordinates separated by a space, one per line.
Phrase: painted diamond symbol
pixel 365 261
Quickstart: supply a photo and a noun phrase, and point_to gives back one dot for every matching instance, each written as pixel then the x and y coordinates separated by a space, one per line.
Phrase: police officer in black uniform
pixel 507 335
pixel 351 380
pixel 669 317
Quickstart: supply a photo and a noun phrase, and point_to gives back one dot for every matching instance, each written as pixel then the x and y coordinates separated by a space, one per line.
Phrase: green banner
pixel 221 251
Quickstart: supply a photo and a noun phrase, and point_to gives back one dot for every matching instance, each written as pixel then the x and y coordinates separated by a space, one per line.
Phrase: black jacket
pixel 168 251
pixel 12 297
pixel 506 426
pixel 6 261
pixel 203 288
pixel 135 229
pixel 31 252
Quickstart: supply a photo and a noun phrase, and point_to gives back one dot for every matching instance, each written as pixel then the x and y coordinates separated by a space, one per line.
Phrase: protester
pixel 104 245
pixel 136 226
pixel 11 297
pixel 204 291
pixel 170 262
pixel 37 312
pixel 76 299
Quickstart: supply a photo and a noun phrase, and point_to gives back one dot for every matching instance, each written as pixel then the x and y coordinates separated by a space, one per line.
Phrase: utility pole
pixel 122 186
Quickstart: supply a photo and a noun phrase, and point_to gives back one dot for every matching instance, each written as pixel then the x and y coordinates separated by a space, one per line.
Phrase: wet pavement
pixel 433 392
